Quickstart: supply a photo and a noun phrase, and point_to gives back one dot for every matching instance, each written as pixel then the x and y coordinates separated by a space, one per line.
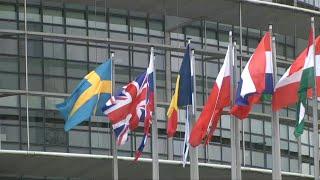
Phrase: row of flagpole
pixel 185 96
pixel 235 130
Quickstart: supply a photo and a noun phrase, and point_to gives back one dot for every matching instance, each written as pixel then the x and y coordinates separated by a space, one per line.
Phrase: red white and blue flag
pixel 133 104
pixel 256 79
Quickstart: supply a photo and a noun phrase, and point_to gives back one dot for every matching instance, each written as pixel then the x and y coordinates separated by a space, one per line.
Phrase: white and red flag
pixel 218 99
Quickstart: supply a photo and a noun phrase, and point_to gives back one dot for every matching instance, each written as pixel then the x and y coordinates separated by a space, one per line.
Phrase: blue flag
pixel 185 83
pixel 88 97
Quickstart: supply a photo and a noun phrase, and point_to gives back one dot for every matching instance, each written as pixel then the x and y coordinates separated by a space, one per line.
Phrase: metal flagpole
pixel 276 154
pixel 114 144
pixel 235 170
pixel 241 62
pixel 194 168
pixel 315 137
pixel 155 158
pixel 27 79
pixel 236 121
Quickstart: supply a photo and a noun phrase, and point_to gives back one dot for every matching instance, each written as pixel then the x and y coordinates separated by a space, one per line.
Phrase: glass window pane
pixel 118 23
pixel 75 19
pixel 256 126
pixel 53 50
pixel 8 46
pixel 7 12
pixel 75 52
pixel 54 67
pixel 226 151
pixel 52 16
pixel 55 84
pixel 79 138
pixel 76 70
pixel 9 81
pixel 257 159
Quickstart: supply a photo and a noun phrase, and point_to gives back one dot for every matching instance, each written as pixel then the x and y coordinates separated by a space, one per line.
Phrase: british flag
pixel 133 104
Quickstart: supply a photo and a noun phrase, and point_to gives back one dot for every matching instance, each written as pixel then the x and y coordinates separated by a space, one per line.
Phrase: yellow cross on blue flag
pixel 88 97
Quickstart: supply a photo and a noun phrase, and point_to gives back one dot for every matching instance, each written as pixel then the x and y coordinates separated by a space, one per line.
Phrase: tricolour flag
pixel 133 104
pixel 296 83
pixel 256 79
pixel 88 97
pixel 182 94
pixel 182 98
pixel 218 99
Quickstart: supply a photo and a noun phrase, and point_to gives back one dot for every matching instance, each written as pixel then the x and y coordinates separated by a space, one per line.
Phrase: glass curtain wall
pixel 57 63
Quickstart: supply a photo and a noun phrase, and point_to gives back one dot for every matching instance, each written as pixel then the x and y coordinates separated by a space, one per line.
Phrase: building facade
pixel 66 39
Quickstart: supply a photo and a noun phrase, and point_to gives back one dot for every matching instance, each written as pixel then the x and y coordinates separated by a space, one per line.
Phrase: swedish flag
pixel 88 97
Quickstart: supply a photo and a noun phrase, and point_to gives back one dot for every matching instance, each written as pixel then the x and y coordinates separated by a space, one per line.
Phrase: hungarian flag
pixel 218 99
pixel 297 82
pixel 182 95
pixel 256 79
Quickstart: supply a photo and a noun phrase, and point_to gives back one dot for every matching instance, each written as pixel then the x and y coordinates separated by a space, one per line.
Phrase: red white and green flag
pixel 296 84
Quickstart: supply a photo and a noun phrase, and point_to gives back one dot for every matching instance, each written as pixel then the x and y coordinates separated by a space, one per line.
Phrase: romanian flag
pixel 182 95
pixel 88 97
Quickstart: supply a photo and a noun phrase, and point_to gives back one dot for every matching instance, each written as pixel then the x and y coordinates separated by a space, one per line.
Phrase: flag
pixel 182 98
pixel 132 105
pixel 256 79
pixel 218 99
pixel 88 96
pixel 182 95
pixel 294 85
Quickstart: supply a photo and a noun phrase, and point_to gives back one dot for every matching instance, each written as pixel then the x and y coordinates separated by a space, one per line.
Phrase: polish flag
pixel 218 99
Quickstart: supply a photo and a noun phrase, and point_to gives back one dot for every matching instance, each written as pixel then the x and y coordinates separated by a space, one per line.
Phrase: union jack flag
pixel 133 104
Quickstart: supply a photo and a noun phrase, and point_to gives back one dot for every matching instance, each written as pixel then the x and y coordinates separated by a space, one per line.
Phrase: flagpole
pixel 27 77
pixel 240 65
pixel 114 144
pixel 235 165
pixel 315 138
pixel 276 154
pixel 155 158
pixel 194 168
pixel 236 121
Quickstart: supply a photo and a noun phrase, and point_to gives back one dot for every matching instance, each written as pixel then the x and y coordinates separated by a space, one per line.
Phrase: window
pixel 226 151
pixel 7 12
pixel 98 54
pixel 118 23
pixel 97 21
pixel 8 46
pixel 52 16
pixel 257 159
pixel 8 64
pixel 54 67
pixel 140 59
pixel 53 50
pixel 77 70
pixel 79 138
pixel 75 52
pixel 156 28
pixel 256 126
pixel 284 164
pixel 8 81
pixel 75 19
pixel 214 152
pixel 54 84
pixel 138 26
